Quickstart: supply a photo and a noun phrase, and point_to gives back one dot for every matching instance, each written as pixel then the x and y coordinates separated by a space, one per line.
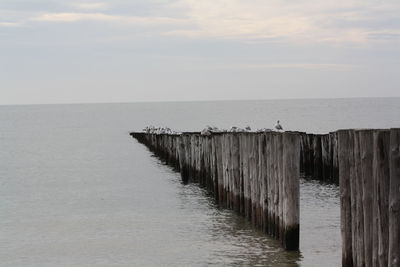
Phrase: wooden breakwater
pixel 256 174
pixel 369 171
pixel 319 157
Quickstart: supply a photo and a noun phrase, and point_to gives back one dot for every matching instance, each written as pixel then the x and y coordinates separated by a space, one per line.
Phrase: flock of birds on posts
pixel 208 130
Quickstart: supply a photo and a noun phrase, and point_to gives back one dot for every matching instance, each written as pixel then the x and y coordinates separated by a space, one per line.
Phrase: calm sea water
pixel 76 190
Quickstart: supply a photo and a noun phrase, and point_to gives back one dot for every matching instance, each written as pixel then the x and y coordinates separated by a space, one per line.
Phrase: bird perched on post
pixel 278 126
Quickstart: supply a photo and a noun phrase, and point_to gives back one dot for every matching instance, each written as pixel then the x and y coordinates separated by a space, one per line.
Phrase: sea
pixel 77 190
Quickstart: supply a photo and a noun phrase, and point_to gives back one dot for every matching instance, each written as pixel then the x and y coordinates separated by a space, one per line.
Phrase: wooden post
pixel 325 153
pixel 302 153
pixel 246 176
pixel 235 172
pixel 366 144
pixel 243 180
pixel 182 159
pixel 394 199
pixel 241 170
pixel 317 151
pixel 381 197
pixel 280 183
pixel 275 185
pixel 345 152
pixel 269 182
pixel 291 190
pixel 353 195
pixel 263 179
pixel 219 167
pixel 359 217
pixel 335 158
pixel 225 167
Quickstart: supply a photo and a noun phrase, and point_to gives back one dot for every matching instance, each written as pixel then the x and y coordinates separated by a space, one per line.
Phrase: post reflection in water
pixel 234 240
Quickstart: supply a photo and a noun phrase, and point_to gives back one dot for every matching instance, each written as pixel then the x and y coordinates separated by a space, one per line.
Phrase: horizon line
pixel 194 101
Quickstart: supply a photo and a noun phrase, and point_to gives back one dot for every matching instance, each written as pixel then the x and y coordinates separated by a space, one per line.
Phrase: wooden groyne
pixel 369 171
pixel 319 157
pixel 255 174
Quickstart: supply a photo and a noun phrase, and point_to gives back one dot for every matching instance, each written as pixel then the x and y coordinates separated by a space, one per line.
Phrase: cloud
pixel 385 35
pixel 304 66
pixel 302 21
pixel 73 17
pixel 247 27
pixel 127 20
pixel 90 6
pixel 10 24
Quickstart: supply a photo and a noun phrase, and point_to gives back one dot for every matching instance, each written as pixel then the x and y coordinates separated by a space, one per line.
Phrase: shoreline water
pixel 75 190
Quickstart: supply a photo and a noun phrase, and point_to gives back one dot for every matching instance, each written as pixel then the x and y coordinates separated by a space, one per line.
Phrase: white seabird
pixel 278 126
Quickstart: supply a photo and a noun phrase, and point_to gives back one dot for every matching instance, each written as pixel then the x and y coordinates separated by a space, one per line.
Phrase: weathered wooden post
pixel 359 217
pixel 291 190
pixel 366 145
pixel 235 172
pixel 381 197
pixel 274 177
pixel 262 146
pixel 280 181
pixel 182 159
pixel 245 175
pixel 269 182
pixel 353 194
pixel 335 158
pixel 345 149
pixel 219 167
pixel 394 198
pixel 317 151
pixel 325 155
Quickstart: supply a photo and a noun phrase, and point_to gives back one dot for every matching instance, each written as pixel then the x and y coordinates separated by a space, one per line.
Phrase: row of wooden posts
pixel 319 157
pixel 257 174
pixel 369 171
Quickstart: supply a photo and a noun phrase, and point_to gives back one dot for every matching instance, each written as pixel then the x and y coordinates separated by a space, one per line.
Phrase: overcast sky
pixel 59 51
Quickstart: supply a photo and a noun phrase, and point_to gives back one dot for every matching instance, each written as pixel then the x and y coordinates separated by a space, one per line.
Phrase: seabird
pixel 278 126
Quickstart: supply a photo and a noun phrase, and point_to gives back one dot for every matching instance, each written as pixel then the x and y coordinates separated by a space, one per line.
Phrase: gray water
pixel 76 190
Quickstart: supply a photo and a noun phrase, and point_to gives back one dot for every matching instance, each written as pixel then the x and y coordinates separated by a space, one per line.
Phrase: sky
pixel 59 51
